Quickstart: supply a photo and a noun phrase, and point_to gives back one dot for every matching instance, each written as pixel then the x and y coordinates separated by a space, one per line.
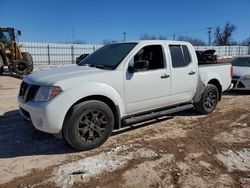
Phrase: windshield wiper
pixel 99 66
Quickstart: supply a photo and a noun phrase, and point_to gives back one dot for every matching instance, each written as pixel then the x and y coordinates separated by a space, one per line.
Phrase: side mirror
pixel 140 65
pixel 19 33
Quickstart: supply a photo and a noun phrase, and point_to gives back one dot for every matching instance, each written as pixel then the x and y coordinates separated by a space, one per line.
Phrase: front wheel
pixel 1 69
pixel 209 100
pixel 88 125
pixel 19 67
pixel 1 65
pixel 28 58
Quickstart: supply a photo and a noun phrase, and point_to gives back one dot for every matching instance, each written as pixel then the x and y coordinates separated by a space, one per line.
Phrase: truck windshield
pixel 5 37
pixel 241 62
pixel 109 56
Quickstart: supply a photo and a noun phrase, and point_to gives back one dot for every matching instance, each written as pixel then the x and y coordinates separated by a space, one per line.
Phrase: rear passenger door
pixel 184 74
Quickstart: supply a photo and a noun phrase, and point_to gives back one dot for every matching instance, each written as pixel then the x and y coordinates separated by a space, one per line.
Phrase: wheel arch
pixel 217 84
pixel 115 108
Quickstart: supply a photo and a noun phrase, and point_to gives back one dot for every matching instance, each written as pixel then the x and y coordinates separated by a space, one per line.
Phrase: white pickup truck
pixel 118 85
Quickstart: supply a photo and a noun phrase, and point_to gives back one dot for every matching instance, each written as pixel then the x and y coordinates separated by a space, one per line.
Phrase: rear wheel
pixel 28 58
pixel 88 125
pixel 209 100
pixel 1 65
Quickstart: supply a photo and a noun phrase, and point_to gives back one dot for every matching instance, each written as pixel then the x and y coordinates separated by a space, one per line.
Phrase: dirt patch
pixel 235 160
pixel 187 150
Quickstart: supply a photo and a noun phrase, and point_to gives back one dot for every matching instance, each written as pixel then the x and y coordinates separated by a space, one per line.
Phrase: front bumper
pixel 46 116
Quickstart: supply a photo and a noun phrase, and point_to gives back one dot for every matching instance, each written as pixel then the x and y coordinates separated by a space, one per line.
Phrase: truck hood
pixel 241 71
pixel 55 75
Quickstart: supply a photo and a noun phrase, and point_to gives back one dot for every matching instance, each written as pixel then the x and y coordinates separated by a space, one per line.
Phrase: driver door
pixel 148 89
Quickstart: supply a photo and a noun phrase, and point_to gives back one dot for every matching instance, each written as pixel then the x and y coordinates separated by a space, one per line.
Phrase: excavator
pixel 11 56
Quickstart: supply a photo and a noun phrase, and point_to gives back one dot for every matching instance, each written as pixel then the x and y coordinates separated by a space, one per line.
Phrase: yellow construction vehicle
pixel 18 62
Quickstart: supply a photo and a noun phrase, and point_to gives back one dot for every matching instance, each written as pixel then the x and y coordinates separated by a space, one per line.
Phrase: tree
pixel 246 41
pixel 224 36
pixel 148 37
pixel 193 41
pixel 79 41
pixel 108 41
pixel 161 37
pixel 152 37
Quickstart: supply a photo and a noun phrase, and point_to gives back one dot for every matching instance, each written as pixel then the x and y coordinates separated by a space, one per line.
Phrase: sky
pixel 93 21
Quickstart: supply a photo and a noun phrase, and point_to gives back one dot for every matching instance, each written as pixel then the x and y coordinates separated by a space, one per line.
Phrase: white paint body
pixel 131 93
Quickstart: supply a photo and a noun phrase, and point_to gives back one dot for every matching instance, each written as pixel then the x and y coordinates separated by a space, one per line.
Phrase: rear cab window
pixel 180 56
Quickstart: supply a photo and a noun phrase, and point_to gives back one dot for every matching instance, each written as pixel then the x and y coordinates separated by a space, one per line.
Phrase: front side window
pixel 153 54
pixel 180 55
pixel 109 56
pixel 5 37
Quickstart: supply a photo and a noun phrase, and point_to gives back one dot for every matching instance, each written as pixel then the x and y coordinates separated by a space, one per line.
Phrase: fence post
pixel 48 48
pixel 72 54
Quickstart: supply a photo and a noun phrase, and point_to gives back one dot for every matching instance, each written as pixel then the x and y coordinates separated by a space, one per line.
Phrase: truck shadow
pixel 12 75
pixel 238 92
pixel 19 138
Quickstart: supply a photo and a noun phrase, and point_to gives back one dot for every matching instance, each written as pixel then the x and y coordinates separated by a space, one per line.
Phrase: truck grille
pixel 28 92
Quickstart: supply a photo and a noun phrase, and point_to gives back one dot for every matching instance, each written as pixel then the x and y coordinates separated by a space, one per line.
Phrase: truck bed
pixel 220 71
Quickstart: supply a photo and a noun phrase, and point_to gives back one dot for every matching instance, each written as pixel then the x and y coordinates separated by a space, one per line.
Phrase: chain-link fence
pixel 59 54
pixel 56 54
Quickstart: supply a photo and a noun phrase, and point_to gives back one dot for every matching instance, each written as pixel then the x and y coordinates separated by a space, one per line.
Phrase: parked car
pixel 241 75
pixel 81 57
pixel 118 85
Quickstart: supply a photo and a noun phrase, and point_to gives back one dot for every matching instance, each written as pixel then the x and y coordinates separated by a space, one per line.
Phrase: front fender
pixel 95 88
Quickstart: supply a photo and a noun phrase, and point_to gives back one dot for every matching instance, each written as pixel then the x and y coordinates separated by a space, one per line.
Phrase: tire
pixel 20 67
pixel 209 100
pixel 1 65
pixel 88 125
pixel 28 58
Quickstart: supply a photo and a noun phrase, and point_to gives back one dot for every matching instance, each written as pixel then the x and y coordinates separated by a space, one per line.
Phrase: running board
pixel 157 114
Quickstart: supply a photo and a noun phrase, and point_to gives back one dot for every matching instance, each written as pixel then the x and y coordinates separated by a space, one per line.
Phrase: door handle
pixel 165 76
pixel 191 73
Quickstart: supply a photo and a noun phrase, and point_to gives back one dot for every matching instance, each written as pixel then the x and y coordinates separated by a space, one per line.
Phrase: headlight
pixel 46 93
pixel 246 77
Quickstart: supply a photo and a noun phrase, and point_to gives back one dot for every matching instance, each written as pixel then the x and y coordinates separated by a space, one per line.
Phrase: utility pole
pixel 124 36
pixel 209 35
pixel 174 36
pixel 73 35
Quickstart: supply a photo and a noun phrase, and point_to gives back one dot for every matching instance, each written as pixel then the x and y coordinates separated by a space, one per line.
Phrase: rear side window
pixel 180 55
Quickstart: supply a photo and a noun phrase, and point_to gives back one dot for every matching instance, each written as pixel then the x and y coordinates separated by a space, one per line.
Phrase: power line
pixel 188 31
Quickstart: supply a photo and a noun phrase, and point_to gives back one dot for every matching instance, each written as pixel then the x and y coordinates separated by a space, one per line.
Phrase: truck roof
pixel 157 41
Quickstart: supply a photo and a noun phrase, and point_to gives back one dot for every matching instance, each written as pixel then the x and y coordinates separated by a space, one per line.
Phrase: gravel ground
pixel 184 150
